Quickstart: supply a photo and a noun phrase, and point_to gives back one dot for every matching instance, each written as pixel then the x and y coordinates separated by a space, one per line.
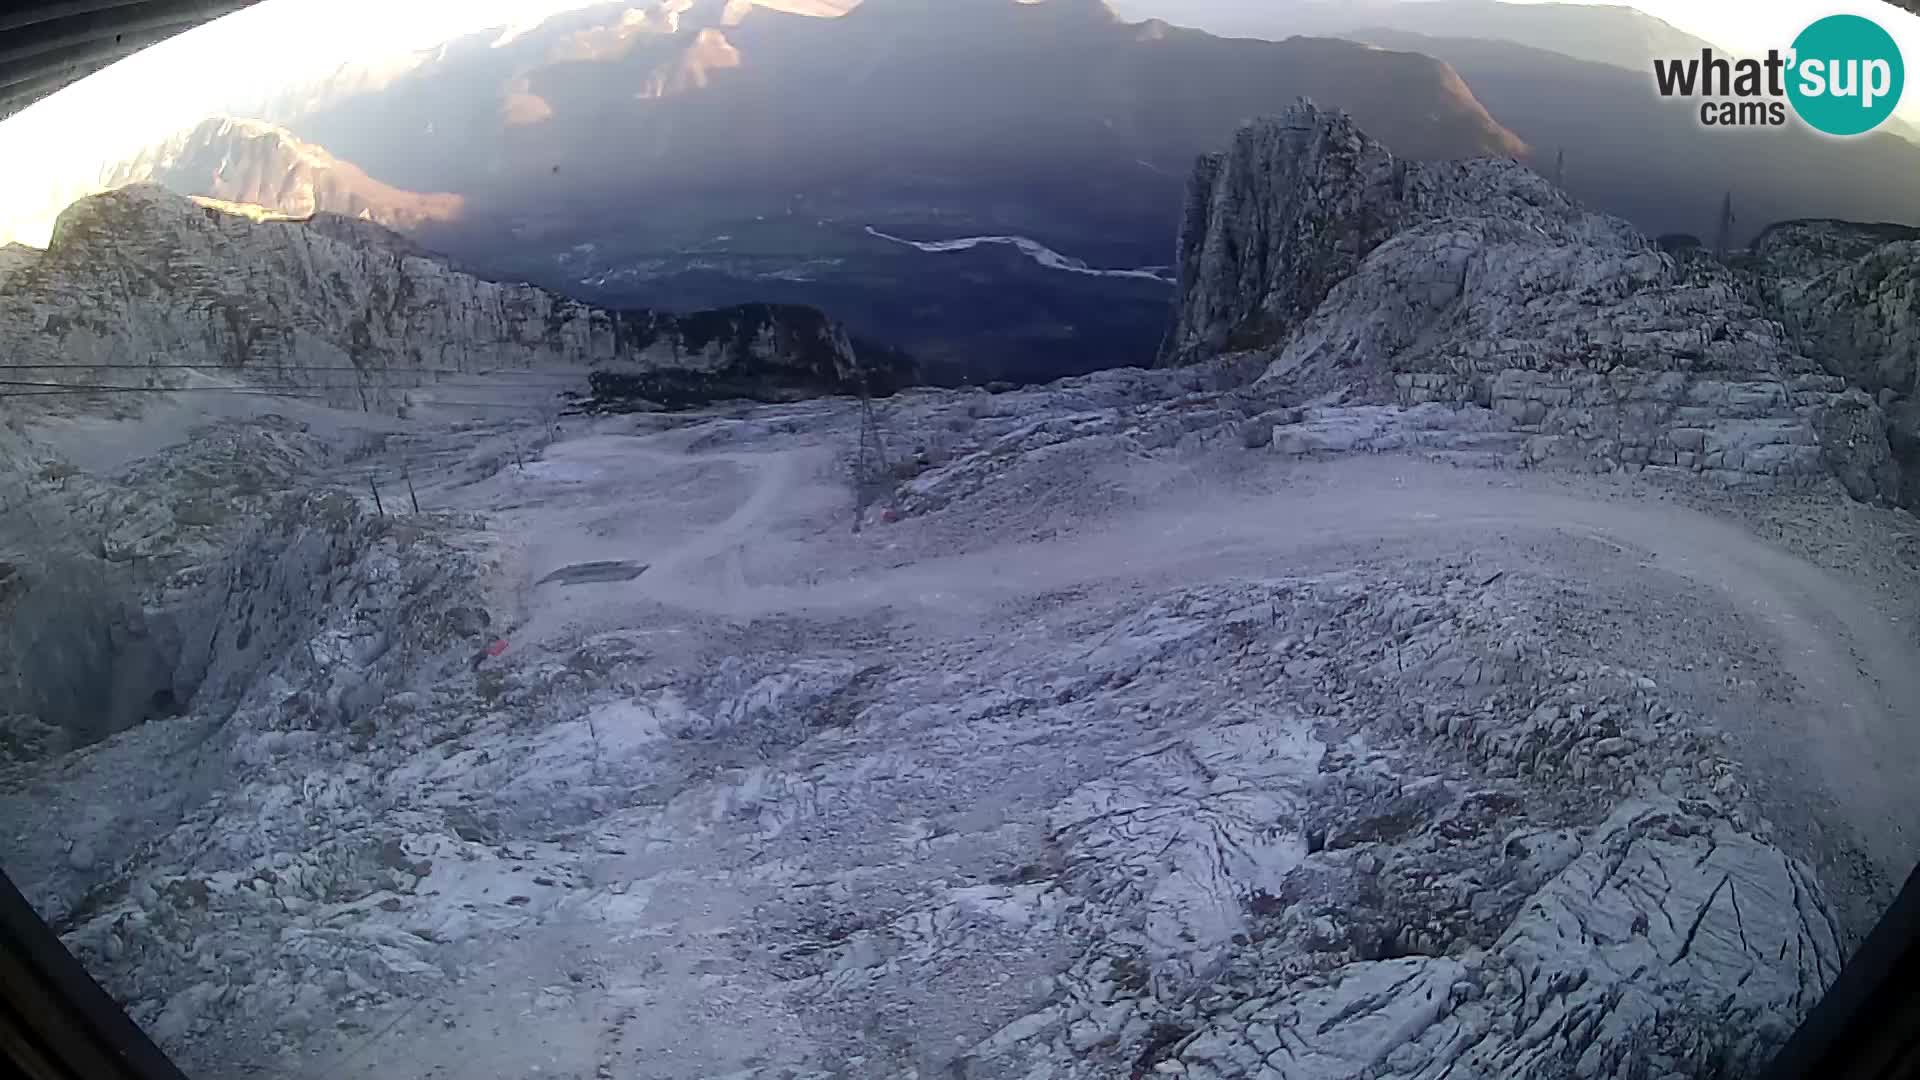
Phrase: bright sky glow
pixel 1751 27
pixel 56 148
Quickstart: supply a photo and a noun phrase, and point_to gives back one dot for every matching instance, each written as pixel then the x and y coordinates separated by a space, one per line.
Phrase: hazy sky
pixel 70 135
pixel 1754 26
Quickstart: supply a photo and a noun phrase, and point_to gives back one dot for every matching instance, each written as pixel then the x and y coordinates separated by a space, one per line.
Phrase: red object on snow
pixel 497 647
pixel 889 516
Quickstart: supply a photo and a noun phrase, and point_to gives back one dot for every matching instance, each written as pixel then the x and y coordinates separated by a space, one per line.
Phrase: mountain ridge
pixel 1358 276
pixel 140 276
pixel 696 154
pixel 252 162
pixel 1058 123
pixel 1612 34
pixel 1636 154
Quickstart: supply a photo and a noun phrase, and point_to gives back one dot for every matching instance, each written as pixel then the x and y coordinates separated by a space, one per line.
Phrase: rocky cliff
pixel 15 257
pixel 1396 282
pixel 257 163
pixel 141 277
pixel 1849 295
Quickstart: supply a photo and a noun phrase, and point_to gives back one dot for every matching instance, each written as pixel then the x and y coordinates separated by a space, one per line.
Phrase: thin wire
pixel 251 393
pixel 70 388
pixel 263 368
pixel 287 391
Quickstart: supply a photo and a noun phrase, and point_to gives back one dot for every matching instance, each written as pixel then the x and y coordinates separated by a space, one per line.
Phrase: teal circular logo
pixel 1847 75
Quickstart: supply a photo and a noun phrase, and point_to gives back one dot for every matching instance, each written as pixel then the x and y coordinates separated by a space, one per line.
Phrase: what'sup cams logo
pixel 1843 76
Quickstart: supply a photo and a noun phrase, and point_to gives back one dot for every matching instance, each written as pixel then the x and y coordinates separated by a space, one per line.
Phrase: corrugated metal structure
pixel 46 44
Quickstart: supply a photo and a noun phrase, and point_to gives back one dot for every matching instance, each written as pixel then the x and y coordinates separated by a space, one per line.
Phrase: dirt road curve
pixel 1852 723
pixel 1812 684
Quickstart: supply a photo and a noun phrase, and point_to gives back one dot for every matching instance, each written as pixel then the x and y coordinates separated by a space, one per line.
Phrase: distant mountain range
pixel 1029 114
pixel 698 153
pixel 993 185
pixel 140 284
pixel 1630 152
pixel 1577 78
pixel 1596 33
pixel 253 162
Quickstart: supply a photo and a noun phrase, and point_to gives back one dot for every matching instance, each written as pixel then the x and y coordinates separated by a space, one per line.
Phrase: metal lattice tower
pixel 872 473
pixel 1723 239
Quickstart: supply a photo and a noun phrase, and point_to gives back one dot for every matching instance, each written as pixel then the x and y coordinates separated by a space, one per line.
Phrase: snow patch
pixel 1033 249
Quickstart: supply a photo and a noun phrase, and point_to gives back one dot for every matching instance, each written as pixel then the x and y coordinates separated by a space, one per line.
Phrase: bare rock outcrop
pixel 15 257
pixel 1321 826
pixel 1334 819
pixel 138 276
pixel 1396 282
pixel 1272 226
pixel 94 568
pixel 1849 294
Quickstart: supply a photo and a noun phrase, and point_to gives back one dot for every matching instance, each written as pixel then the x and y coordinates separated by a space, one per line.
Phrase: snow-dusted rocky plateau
pixel 1492 657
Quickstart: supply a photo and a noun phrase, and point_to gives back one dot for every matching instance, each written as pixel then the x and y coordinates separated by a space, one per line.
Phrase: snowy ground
pixel 1125 750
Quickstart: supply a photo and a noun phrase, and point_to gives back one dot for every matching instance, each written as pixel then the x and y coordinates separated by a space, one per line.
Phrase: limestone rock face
pixel 1272 225
pixel 1849 294
pixel 254 162
pixel 138 276
pixel 1354 820
pixel 1789 256
pixel 1400 282
pixel 15 257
